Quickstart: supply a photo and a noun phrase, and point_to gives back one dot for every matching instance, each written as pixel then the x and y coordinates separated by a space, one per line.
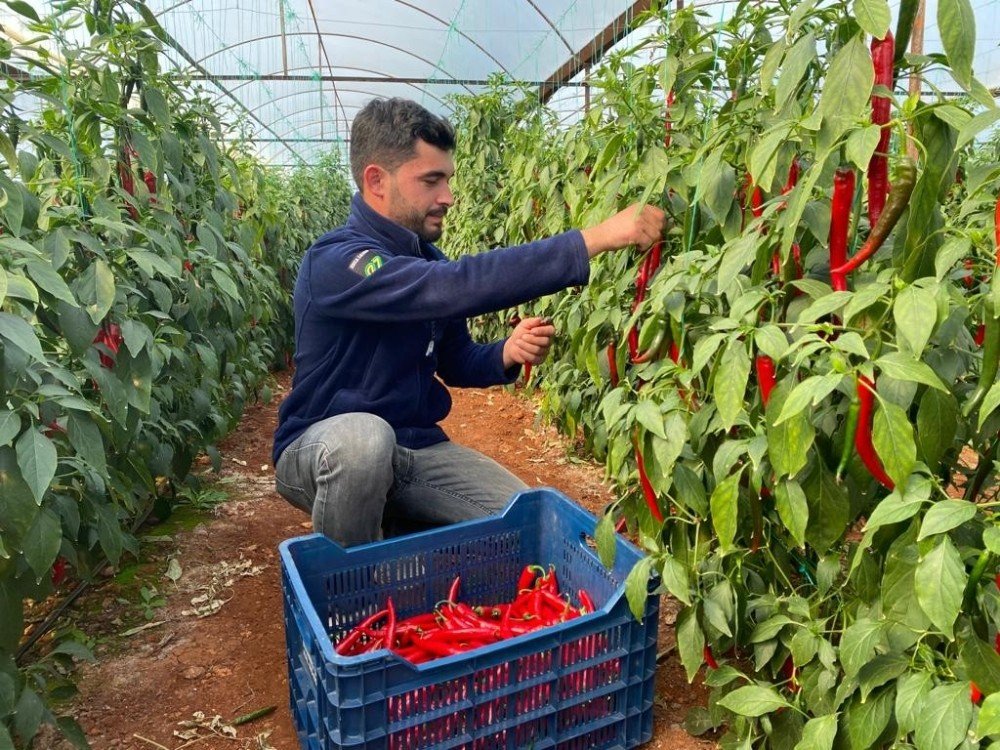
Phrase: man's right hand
pixel 637 225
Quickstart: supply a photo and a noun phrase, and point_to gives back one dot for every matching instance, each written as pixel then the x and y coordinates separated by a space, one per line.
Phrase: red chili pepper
pixel 587 603
pixel 453 590
pixel 975 694
pixel 766 378
pixel 757 202
pixel 996 643
pixel 58 571
pixel 150 179
pixel 613 364
pixel 899 198
pixel 709 658
pixel 362 629
pixel 793 176
pixel 527 577
pixel 390 625
pixel 110 335
pixel 188 266
pixel 883 51
pixel 840 224
pixel 980 336
pixel 789 672
pixel 863 435
pixel 996 230
pixel 647 488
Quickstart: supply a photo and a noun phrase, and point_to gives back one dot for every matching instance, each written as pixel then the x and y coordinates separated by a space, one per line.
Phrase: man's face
pixel 418 195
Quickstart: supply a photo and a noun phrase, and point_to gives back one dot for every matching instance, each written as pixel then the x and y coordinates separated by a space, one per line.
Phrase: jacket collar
pixel 396 238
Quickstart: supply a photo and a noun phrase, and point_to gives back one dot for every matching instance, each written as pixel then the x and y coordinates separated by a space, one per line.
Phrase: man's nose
pixel 446 197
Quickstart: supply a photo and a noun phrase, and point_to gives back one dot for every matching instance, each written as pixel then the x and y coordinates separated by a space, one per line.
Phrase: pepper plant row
pixel 145 270
pixel 796 392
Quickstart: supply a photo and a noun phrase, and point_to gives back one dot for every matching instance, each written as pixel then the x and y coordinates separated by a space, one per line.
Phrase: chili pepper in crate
pixel 863 435
pixel 840 223
pixel 899 197
pixel 883 51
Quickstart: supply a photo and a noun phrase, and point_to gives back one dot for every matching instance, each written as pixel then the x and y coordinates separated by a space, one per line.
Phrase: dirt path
pixel 232 662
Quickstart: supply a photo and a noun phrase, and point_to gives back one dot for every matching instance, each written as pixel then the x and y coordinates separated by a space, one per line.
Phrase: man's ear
pixel 375 180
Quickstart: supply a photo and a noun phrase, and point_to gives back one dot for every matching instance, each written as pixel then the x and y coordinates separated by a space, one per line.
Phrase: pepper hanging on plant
pixel 899 197
pixel 863 435
pixel 766 377
pixel 648 493
pixel 840 223
pixel 883 51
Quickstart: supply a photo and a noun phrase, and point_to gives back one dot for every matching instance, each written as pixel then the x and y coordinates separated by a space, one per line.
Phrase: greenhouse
pixel 469 375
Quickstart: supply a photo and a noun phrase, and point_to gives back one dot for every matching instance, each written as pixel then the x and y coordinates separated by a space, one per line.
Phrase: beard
pixel 415 220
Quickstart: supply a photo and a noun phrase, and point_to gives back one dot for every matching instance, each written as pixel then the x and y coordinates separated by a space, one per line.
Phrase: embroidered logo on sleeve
pixel 365 263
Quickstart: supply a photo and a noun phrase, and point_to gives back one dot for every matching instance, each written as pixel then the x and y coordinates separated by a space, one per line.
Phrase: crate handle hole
pixel 588 541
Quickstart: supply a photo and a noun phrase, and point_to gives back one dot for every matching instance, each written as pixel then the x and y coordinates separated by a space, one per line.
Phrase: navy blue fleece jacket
pixel 380 316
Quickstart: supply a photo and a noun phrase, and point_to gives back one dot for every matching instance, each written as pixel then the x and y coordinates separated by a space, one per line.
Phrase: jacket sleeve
pixel 465 364
pixel 406 288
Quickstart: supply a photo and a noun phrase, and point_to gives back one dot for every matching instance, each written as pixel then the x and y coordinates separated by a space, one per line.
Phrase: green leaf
pixel 19 332
pixel 957 23
pixel 873 16
pixel 982 664
pixel 763 157
pixel 28 714
pixel 647 413
pixel 857 645
pixel 795 64
pixel 23 8
pixel 818 733
pixel 893 508
pixel 903 366
pixel 49 280
pixel 36 455
pixel 879 671
pixel 946 515
pixel 944 717
pixel 847 88
pixel 829 508
pixel 42 542
pixel 690 642
pixel 725 510
pixel 157 105
pixel 771 341
pixel 865 720
pixel 730 382
pixel 937 425
pixel 793 509
pixel 770 628
pixel 788 443
pixel 675 578
pixel 604 537
pixel 10 426
pixel 911 690
pixel 989 716
pixel 809 392
pixel 753 700
pixel 990 403
pixel 861 145
pixel 98 290
pixel 968 132
pixel 637 586
pixel 991 538
pixel 939 581
pixel 894 442
pixel 915 313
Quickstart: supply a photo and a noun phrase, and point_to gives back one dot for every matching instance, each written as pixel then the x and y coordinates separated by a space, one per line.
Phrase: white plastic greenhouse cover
pixel 299 70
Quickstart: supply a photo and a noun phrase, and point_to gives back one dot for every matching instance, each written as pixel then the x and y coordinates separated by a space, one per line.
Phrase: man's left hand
pixel 529 343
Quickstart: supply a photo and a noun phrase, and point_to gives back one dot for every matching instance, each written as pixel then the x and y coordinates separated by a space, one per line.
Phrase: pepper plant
pixel 145 271
pixel 797 395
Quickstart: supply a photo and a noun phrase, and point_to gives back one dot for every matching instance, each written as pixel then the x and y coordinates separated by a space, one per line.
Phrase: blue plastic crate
pixel 581 685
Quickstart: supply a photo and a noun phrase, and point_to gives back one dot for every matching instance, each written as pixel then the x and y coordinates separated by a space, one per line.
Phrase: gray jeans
pixel 358 485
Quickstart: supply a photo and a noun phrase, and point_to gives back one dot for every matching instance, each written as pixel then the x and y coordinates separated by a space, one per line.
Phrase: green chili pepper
pixel 850 429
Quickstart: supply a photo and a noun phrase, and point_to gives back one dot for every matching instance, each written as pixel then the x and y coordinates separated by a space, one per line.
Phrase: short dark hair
pixel 385 132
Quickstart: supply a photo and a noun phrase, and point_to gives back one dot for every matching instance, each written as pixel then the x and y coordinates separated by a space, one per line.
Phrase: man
pixel 380 318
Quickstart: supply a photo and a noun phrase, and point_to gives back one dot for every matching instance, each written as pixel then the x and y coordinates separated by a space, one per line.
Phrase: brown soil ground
pixel 146 682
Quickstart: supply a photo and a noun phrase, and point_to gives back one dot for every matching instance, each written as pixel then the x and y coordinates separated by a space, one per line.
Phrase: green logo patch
pixel 373 265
